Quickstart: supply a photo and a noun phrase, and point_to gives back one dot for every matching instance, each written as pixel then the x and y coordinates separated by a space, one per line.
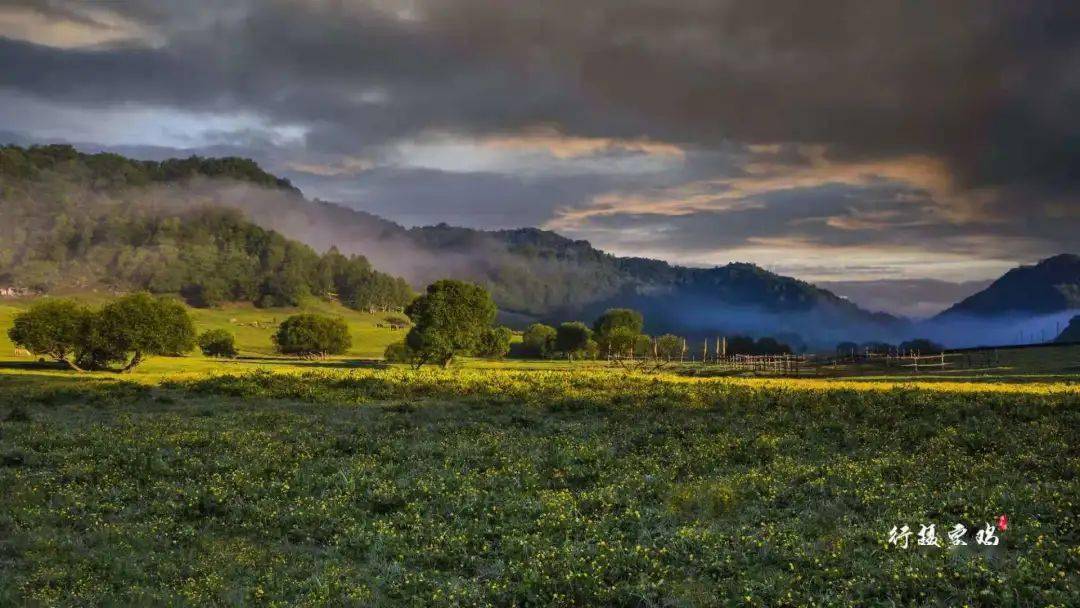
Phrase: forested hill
pixel 1052 285
pixel 71 221
pixel 107 171
pixel 103 218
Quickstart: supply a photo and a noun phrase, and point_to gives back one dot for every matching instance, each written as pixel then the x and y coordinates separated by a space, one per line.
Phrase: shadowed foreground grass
pixel 393 487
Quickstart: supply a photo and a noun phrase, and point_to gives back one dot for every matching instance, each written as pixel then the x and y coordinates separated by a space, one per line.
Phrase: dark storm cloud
pixel 988 90
pixel 988 85
pixel 354 77
pixel 427 196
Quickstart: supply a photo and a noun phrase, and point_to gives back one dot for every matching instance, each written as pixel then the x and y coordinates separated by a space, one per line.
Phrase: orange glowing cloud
pixel 90 27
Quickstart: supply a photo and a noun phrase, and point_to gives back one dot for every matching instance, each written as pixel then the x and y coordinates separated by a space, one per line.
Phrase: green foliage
pixel 613 319
pixel 669 347
pixel 360 287
pixel 617 333
pixel 494 342
pixel 135 326
pixel 572 338
pixel 618 341
pixel 399 352
pixel 52 327
pixel 495 488
pixel 107 170
pixel 217 343
pixel 591 350
pixel 770 346
pixel 703 500
pixel 124 331
pixel 538 340
pixel 449 318
pixel 313 335
pixel 921 346
pixel 766 345
pixel 75 220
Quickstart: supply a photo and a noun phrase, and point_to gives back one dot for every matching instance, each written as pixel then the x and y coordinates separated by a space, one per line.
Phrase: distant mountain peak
pixel 1051 285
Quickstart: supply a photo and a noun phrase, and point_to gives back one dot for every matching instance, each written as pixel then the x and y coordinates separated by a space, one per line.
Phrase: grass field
pixel 269 481
pixel 253 326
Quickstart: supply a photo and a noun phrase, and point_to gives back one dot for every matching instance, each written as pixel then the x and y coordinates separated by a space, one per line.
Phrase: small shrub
pixel 398 352
pixel 217 343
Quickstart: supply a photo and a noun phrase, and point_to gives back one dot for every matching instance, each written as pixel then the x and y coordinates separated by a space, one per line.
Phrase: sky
pixel 898 143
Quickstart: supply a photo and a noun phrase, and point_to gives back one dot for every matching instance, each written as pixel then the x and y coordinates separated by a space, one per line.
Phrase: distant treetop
pixel 106 170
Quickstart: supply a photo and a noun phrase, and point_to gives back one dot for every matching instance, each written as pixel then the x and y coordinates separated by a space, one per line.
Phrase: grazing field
pixel 251 326
pixel 500 487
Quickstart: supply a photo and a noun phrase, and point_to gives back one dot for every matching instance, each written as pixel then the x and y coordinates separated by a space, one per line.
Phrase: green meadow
pixel 271 481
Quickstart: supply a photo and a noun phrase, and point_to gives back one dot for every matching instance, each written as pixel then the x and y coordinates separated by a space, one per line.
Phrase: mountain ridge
pixel 536 273
pixel 1051 285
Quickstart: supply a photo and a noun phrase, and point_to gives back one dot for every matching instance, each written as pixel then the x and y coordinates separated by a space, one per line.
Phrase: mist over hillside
pixel 532 274
pixel 1027 305
pixel 74 222
pixel 536 274
pixel 1052 285
pixel 913 298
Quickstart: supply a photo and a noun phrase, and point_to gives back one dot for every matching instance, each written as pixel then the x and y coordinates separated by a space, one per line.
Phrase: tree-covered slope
pixel 108 219
pixel 73 221
pixel 1052 285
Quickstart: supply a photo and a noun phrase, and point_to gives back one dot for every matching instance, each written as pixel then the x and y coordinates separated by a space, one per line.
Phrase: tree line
pixel 449 319
pixel 124 332
pixel 922 346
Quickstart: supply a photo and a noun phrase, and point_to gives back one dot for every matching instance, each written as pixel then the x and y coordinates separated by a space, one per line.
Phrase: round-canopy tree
pixel 539 340
pixel 494 342
pixel 131 328
pixel 311 335
pixel 669 347
pixel 572 338
pixel 619 318
pixel 617 331
pixel 449 318
pixel 921 346
pixel 217 343
pixel 54 328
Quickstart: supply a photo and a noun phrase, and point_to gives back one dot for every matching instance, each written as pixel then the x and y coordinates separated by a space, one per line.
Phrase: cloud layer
pixel 829 140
